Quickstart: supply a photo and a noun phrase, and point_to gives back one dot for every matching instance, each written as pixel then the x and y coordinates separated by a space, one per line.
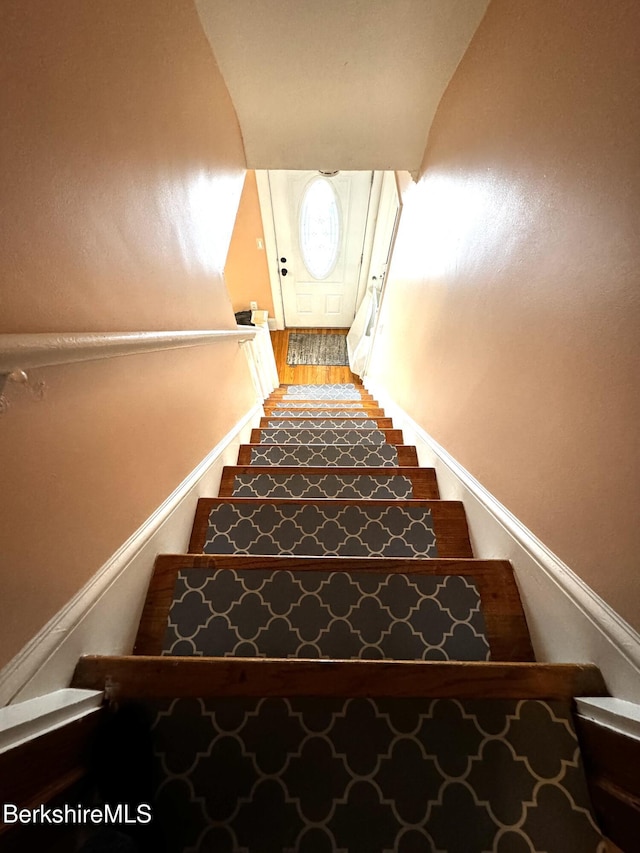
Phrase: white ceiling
pixel 337 84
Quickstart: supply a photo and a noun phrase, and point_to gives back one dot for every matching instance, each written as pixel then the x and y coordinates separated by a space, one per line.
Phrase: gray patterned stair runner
pixel 322 387
pixel 318 775
pixel 335 455
pixel 307 529
pixel 369 435
pixel 321 423
pixel 313 614
pixel 322 392
pixel 349 775
pixel 354 410
pixel 308 486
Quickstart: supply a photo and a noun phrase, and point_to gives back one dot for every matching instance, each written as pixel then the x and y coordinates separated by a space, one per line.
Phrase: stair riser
pixel 349 483
pixel 348 396
pixel 326 423
pixel 363 403
pixel 325 615
pixel 506 627
pixel 336 456
pixel 315 404
pixel 303 530
pixel 326 412
pixel 321 392
pixel 326 436
pixel 322 486
pixel 338 528
pixel 371 775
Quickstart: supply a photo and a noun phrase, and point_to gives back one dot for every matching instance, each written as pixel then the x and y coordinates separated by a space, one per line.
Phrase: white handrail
pixel 22 352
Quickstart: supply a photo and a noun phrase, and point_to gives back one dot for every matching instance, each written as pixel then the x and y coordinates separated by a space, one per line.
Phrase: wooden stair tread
pixel 423 479
pixel 125 677
pixel 505 623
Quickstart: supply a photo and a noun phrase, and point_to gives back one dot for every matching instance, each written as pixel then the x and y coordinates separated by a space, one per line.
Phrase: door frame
pixel 268 227
pixel 377 325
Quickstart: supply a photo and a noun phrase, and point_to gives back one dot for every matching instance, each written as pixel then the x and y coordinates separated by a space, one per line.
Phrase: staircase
pixel 329 670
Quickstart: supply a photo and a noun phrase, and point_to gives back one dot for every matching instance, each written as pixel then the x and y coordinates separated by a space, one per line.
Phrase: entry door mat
pixel 361 615
pixel 324 350
pixel 316 775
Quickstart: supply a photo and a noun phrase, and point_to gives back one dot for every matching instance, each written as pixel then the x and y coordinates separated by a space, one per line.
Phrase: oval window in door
pixel 319 228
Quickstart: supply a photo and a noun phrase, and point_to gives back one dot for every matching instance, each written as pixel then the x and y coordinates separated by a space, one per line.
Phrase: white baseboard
pixel 103 617
pixel 567 620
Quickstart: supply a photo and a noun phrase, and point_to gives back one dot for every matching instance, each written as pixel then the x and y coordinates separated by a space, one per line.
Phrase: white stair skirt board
pixel 617 714
pixel 103 617
pixel 261 361
pixel 35 717
pixel 567 620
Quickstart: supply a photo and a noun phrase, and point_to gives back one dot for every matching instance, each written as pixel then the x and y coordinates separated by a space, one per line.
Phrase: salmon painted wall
pixel 512 320
pixel 122 166
pixel 246 271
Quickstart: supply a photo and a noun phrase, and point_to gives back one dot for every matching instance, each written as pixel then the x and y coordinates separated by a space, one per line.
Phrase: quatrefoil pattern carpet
pixel 322 392
pixel 303 412
pixel 365 615
pixel 346 404
pixel 368 435
pixel 336 456
pixel 321 423
pixel 346 486
pixel 314 531
pixel 371 776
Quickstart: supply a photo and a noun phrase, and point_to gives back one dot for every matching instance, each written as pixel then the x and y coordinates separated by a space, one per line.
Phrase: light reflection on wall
pixel 213 202
pixel 443 216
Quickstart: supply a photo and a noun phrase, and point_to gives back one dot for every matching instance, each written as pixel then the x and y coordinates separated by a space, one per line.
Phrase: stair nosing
pixel 329 677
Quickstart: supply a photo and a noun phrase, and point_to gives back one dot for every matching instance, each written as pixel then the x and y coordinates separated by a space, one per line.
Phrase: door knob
pixel 284 271
pixel 283 260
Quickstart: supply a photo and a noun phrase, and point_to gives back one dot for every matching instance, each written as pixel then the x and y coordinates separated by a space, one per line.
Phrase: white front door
pixel 320 225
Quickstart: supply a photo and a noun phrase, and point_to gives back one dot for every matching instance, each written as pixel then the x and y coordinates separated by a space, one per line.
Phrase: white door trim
pixel 369 235
pixel 271 249
pixel 268 228
pixel 377 325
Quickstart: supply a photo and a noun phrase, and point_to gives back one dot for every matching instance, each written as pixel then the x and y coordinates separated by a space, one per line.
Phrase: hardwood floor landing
pixel 304 374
